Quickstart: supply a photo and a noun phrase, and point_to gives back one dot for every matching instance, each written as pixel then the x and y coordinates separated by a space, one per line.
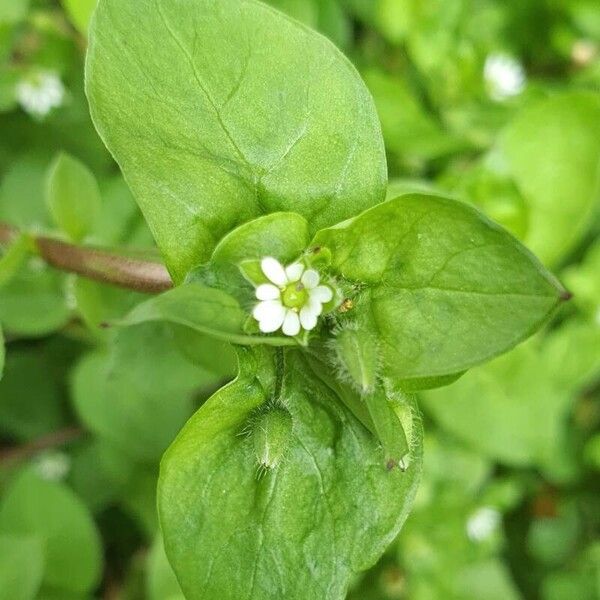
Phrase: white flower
pixel 482 523
pixel 53 466
pixel 504 76
pixel 40 93
pixel 292 301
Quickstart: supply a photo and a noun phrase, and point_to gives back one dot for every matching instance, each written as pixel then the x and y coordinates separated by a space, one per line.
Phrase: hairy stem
pixel 105 266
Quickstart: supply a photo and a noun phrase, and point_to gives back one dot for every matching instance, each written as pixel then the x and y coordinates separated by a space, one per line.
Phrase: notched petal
pixel 267 291
pixel 273 270
pixel 310 279
pixel 322 293
pixel 294 272
pixel 291 323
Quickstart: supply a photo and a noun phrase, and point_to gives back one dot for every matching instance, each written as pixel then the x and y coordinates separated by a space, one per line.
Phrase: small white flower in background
pixel 482 523
pixel 504 75
pixel 292 301
pixel 53 466
pixel 38 94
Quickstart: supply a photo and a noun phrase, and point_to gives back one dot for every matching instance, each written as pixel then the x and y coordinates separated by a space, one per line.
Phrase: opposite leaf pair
pixel 245 135
pixel 431 288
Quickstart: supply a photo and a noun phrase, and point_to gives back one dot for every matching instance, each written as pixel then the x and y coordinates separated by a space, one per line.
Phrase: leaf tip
pixel 565 295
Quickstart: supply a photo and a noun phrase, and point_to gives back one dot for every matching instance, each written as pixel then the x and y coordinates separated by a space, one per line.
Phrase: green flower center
pixel 294 295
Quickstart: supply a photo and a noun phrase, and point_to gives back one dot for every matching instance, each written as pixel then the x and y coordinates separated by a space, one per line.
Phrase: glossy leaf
pixel 218 113
pixel 443 287
pixel 73 196
pixel 71 543
pixel 205 310
pixel 328 510
pixel 282 235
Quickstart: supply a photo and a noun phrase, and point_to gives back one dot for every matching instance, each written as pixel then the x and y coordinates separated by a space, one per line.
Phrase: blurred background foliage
pixel 493 102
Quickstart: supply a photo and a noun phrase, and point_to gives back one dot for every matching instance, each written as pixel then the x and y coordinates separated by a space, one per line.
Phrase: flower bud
pixel 271 435
pixel 358 357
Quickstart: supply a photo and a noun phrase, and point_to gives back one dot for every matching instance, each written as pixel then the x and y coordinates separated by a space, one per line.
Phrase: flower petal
pixel 273 319
pixel 291 323
pixel 268 291
pixel 294 272
pixel 310 279
pixel 273 270
pixel 308 318
pixel 263 309
pixel 322 293
pixel 314 306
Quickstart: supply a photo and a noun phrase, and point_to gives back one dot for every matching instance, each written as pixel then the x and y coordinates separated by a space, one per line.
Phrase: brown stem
pixel 102 265
pixel 52 440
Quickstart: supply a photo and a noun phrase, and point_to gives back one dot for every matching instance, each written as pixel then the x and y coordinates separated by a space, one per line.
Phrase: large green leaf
pixel 553 152
pixel 221 112
pixel 206 310
pixel 73 196
pixel 492 408
pixel 443 287
pixel 299 531
pixel 138 400
pixel 70 541
pixel 21 567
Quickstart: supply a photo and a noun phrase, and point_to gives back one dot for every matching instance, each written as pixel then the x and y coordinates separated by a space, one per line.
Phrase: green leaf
pixel 99 473
pixel 410 133
pixel 21 566
pixel 205 310
pixel 120 222
pixel 33 303
pixel 388 428
pixel 570 354
pixel 13 11
pixel 50 511
pixel 12 259
pixel 583 280
pixel 30 407
pixel 80 13
pixel 553 152
pixel 275 120
pixel 282 235
pixel 2 354
pixel 327 511
pixel 443 287
pixel 236 259
pixel 492 408
pixel 161 583
pixel 22 193
pixel 213 355
pixel 136 400
pixel 73 196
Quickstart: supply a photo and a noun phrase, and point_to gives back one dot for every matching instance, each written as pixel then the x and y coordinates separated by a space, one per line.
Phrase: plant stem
pixel 99 264
pixel 52 440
